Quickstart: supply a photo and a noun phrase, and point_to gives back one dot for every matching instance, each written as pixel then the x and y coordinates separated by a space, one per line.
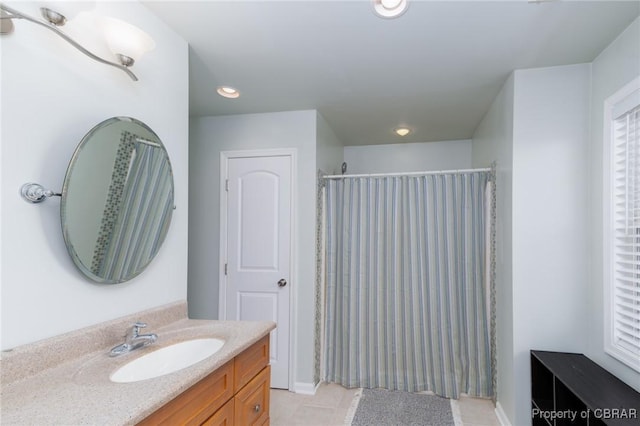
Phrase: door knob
pixel 282 282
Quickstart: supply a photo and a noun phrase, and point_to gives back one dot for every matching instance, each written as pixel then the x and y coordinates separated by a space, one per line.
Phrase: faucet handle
pixel 137 326
pixel 132 332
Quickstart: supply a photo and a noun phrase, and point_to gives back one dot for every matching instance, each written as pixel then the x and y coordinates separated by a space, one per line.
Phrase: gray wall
pixel 329 150
pixel 493 141
pixel 617 65
pixel 408 157
pixel 545 129
pixel 51 96
pixel 212 135
pixel 549 228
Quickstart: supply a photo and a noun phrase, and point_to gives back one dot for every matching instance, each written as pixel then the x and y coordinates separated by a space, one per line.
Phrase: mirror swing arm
pixel 36 193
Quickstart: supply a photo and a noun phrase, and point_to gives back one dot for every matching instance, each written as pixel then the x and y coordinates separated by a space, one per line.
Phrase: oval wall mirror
pixel 117 200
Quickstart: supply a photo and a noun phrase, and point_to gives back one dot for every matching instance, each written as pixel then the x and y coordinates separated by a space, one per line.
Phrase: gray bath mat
pixel 382 407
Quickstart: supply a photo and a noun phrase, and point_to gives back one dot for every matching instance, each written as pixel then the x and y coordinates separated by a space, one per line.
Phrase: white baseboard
pixel 351 412
pixel 502 416
pixel 455 412
pixel 305 388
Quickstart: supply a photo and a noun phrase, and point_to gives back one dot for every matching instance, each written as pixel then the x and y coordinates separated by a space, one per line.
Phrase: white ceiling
pixel 436 69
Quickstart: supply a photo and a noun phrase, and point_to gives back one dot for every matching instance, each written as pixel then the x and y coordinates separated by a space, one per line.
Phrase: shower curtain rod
pixel 439 172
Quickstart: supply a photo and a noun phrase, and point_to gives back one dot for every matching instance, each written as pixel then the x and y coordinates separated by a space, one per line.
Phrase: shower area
pixel 405 281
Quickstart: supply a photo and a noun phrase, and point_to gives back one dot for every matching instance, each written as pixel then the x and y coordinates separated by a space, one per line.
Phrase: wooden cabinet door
pixel 252 402
pixel 197 403
pixel 250 362
pixel 222 417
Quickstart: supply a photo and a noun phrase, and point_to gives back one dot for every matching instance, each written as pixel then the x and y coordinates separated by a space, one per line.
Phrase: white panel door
pixel 258 250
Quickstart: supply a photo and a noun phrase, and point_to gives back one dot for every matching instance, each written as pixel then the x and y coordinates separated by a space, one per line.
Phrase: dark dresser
pixel 570 389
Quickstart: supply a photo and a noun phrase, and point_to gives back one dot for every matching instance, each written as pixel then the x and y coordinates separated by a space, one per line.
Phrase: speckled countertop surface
pixel 77 390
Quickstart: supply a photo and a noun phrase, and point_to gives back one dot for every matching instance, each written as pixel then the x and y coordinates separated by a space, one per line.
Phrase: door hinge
pixel 226 185
pixel 226 269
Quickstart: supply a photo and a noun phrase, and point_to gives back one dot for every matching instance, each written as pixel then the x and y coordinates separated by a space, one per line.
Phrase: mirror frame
pixel 84 269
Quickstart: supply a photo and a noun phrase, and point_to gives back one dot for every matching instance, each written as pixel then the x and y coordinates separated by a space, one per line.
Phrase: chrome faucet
pixel 133 340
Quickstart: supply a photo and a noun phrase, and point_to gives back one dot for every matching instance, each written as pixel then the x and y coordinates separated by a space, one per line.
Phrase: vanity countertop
pixel 78 390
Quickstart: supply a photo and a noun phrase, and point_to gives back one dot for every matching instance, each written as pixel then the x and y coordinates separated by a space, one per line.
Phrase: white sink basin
pixel 167 360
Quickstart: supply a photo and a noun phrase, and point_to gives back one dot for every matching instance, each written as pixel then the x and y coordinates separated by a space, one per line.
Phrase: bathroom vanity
pixel 236 393
pixel 66 379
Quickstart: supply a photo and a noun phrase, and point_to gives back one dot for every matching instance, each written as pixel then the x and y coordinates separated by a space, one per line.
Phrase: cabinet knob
pixel 256 408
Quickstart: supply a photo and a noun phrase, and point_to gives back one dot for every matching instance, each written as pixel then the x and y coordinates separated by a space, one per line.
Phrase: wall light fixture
pixel 125 41
pixel 390 8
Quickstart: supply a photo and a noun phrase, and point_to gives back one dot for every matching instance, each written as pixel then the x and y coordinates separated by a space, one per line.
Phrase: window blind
pixel 626 232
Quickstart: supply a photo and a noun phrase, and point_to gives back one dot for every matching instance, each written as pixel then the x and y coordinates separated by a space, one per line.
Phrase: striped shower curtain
pixel 405 295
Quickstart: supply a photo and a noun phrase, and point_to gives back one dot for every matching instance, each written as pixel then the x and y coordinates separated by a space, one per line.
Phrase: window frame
pixel 621 98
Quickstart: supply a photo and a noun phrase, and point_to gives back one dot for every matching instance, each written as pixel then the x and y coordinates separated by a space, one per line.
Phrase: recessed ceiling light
pixel 390 8
pixel 402 131
pixel 228 92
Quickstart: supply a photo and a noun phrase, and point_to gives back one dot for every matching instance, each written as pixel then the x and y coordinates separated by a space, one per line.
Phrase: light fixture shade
pixel 402 131
pixel 126 39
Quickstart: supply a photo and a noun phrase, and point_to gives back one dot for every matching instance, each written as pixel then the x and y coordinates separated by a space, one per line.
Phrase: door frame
pixel 225 156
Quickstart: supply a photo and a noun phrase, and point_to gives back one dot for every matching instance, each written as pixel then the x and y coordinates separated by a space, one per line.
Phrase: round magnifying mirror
pixel 117 200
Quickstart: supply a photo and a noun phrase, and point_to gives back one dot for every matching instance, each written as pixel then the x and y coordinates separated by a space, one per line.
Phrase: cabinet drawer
pixel 197 403
pixel 252 402
pixel 250 362
pixel 222 417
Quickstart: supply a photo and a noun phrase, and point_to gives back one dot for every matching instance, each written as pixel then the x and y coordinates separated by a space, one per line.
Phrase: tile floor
pixel 476 412
pixel 331 403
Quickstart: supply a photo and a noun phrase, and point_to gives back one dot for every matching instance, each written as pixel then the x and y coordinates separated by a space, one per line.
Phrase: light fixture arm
pixel 14 14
